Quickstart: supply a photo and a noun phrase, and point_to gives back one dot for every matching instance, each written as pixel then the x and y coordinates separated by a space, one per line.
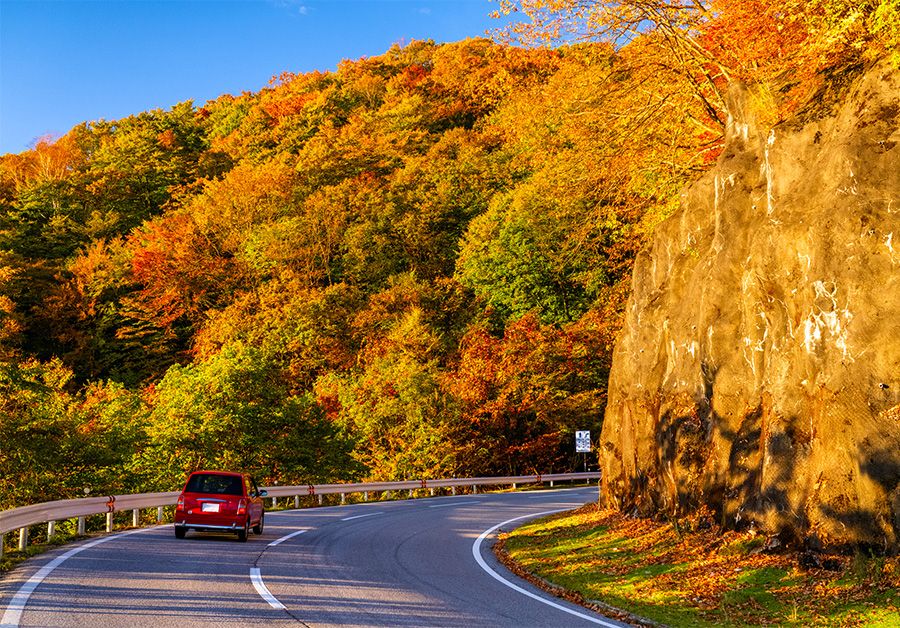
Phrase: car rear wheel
pixel 245 531
pixel 258 528
pixel 180 532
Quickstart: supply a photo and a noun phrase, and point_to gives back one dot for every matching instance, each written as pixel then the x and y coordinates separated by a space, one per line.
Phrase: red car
pixel 217 501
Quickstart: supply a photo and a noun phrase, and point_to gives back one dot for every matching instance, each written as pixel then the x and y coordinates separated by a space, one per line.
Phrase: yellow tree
pixel 709 42
pixel 668 29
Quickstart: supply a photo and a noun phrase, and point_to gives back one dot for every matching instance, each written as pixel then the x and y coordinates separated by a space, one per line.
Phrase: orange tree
pixel 523 395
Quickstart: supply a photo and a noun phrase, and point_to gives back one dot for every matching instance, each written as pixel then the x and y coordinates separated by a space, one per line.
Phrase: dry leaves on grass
pixel 710 570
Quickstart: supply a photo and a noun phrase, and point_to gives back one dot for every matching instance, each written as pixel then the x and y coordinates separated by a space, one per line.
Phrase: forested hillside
pixel 413 266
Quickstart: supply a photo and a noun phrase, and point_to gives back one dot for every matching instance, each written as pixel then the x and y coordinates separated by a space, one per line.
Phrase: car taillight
pixel 242 508
pixel 179 505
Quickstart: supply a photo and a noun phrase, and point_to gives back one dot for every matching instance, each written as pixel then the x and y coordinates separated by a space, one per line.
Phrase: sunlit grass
pixel 688 573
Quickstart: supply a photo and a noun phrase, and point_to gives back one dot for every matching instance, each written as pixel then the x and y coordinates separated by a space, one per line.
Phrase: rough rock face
pixel 759 368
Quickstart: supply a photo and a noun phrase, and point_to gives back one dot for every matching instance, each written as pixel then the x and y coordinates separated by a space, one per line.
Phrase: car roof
pixel 212 472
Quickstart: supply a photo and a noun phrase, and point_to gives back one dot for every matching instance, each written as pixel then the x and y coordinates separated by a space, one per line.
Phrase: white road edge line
pixel 476 552
pixel 370 514
pixel 263 590
pixel 285 538
pixel 13 614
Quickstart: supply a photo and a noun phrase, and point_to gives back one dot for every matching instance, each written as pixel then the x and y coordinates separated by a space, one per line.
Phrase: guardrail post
pixel 51 529
pixel 453 491
pixel 274 502
pixel 109 522
pixel 159 514
pixel 321 501
pixel 23 539
pixel 551 483
pixel 365 496
pixel 296 501
pixel 474 489
pixel 514 486
pixel 2 539
pixel 135 518
pixel 343 498
pixel 81 525
pixel 432 492
pixel 410 493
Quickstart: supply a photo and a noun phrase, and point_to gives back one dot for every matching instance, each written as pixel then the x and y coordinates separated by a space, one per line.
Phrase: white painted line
pixel 454 504
pixel 556 491
pixel 285 538
pixel 263 590
pixel 13 614
pixel 476 552
pixel 371 514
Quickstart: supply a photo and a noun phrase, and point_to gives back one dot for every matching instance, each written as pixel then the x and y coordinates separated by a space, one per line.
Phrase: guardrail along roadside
pixel 21 519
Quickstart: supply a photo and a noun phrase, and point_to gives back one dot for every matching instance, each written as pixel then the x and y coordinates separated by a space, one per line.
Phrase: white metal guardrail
pixel 50 512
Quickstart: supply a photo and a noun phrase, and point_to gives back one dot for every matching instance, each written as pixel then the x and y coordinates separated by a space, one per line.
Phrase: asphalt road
pixel 424 562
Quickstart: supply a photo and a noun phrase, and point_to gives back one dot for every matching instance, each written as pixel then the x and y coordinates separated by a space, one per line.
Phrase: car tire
pixel 244 532
pixel 258 528
pixel 180 532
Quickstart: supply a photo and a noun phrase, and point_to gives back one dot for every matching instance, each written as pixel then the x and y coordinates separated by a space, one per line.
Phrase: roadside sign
pixel 583 442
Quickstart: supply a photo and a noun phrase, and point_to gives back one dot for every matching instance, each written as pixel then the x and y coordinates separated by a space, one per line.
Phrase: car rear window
pixel 213 483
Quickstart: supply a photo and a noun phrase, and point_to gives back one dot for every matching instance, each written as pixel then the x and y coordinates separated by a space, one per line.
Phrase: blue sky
pixel 67 61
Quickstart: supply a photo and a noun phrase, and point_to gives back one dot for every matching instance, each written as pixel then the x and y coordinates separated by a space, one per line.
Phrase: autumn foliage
pixel 413 265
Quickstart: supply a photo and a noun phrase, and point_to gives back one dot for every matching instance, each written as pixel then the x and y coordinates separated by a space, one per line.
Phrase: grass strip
pixel 687 572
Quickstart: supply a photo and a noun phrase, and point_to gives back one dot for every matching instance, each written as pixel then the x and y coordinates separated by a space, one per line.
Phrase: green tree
pixel 508 259
pixel 232 411
pixel 54 443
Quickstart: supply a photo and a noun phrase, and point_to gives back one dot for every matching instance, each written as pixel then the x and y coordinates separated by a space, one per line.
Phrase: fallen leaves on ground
pixel 690 572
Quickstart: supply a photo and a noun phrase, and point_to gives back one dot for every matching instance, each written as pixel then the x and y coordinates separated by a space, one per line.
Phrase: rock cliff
pixel 758 371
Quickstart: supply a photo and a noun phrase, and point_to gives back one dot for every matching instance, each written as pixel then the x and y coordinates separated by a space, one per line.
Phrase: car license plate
pixel 210 507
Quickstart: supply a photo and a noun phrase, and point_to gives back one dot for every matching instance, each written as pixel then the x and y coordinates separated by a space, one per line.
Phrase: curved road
pixel 424 562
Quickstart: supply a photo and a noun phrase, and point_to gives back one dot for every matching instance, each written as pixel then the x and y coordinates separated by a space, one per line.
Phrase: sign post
pixel 583 444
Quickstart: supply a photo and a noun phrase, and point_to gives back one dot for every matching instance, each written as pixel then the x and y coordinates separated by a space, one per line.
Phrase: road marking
pixel 476 552
pixel 285 538
pixel 453 504
pixel 263 590
pixel 370 514
pixel 13 614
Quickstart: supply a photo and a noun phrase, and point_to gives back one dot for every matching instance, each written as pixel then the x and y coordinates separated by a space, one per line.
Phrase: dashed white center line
pixel 453 504
pixel 369 514
pixel 285 538
pixel 263 590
